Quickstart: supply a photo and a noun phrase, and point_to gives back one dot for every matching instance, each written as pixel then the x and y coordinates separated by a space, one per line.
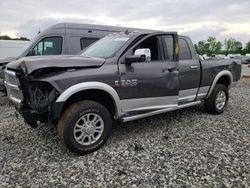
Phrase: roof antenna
pixel 126 32
pixel 39 31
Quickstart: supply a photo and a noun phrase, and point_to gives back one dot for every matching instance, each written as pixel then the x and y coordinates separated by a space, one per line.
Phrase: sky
pixel 198 19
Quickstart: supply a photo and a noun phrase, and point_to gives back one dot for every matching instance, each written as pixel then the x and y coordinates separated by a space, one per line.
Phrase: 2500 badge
pixel 126 83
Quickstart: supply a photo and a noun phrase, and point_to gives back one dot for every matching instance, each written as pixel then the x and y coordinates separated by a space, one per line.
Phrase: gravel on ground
pixel 245 70
pixel 183 148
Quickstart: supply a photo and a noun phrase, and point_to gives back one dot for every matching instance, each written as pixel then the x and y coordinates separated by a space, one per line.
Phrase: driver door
pixel 152 84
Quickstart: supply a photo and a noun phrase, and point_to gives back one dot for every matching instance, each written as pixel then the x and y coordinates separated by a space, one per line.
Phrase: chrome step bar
pixel 139 116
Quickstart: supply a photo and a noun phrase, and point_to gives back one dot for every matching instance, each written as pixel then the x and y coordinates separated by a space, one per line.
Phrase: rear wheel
pixel 217 101
pixel 85 127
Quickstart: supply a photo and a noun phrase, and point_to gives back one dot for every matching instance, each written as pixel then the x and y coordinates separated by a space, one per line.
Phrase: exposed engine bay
pixel 41 96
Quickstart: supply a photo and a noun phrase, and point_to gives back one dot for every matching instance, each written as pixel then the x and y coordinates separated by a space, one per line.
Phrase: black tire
pixel 210 102
pixel 72 116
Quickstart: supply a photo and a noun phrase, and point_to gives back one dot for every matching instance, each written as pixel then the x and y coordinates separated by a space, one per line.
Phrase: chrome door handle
pixel 193 66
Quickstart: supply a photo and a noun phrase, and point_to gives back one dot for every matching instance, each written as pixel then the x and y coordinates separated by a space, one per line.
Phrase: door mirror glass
pixel 143 52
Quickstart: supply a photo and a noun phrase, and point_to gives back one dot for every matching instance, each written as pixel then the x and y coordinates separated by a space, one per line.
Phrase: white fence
pixel 12 48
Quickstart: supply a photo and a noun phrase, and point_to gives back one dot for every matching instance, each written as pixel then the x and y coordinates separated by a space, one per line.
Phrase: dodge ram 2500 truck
pixel 122 77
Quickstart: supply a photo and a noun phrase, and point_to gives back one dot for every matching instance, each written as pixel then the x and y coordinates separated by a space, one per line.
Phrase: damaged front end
pixel 32 99
pixel 39 99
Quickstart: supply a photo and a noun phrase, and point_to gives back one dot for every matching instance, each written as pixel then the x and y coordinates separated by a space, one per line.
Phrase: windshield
pixel 106 47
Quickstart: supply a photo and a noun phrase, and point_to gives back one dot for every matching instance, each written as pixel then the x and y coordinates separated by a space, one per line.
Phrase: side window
pixel 153 44
pixel 85 42
pixel 49 46
pixel 185 53
pixel 169 47
pixel 39 48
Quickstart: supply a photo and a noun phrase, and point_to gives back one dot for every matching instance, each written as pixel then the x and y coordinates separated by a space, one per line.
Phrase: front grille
pixel 12 85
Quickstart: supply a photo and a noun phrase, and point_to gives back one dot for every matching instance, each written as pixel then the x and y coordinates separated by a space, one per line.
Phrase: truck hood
pixel 32 64
pixel 4 61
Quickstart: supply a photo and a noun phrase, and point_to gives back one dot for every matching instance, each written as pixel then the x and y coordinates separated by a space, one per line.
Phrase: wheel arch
pixel 91 90
pixel 224 77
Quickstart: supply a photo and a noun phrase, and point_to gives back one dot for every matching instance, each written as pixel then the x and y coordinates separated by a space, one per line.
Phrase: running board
pixel 131 118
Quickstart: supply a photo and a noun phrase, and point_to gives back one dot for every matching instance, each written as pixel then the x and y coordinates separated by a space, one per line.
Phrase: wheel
pixel 85 127
pixel 217 101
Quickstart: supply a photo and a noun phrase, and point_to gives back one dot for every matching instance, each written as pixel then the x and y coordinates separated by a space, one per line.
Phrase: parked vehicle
pixel 246 59
pixel 63 39
pixel 122 77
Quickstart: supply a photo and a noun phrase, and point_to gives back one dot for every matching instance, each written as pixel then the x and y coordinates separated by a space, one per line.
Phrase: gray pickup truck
pixel 122 77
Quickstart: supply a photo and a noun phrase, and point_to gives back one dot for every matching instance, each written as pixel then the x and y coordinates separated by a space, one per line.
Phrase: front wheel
pixel 85 127
pixel 217 101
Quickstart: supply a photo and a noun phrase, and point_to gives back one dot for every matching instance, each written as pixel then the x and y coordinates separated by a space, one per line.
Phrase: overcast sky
pixel 196 18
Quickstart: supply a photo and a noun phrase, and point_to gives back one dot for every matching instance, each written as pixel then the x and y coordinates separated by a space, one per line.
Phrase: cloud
pixel 26 30
pixel 196 18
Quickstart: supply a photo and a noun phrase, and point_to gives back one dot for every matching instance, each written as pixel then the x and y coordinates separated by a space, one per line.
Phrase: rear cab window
pixel 185 52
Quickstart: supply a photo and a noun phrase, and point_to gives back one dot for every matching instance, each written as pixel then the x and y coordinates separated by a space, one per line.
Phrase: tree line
pixel 6 37
pixel 230 46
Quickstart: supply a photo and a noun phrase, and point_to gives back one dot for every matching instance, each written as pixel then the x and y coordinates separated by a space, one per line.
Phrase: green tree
pixel 6 37
pixel 214 46
pixel 228 43
pixel 233 46
pixel 202 47
pixel 218 47
pixel 237 46
pixel 247 48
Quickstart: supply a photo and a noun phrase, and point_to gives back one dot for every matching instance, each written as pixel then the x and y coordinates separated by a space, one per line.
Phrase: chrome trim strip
pixel 204 89
pixel 92 85
pixel 11 85
pixel 15 100
pixel 131 118
pixel 201 95
pixel 188 94
pixel 203 92
pixel 10 72
pixel 217 77
pixel 187 98
pixel 130 105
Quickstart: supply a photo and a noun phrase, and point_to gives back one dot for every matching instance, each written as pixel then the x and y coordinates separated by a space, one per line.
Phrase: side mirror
pixel 144 52
pixel 140 55
pixel 31 52
pixel 134 58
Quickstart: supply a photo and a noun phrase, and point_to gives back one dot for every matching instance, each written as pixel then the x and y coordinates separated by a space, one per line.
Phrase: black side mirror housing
pixel 31 52
pixel 135 58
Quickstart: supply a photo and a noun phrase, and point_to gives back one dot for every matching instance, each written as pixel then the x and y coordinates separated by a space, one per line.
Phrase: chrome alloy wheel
pixel 88 129
pixel 221 100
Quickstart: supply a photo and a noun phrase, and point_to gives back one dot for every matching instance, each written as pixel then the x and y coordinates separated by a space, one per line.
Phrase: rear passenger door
pixel 189 71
